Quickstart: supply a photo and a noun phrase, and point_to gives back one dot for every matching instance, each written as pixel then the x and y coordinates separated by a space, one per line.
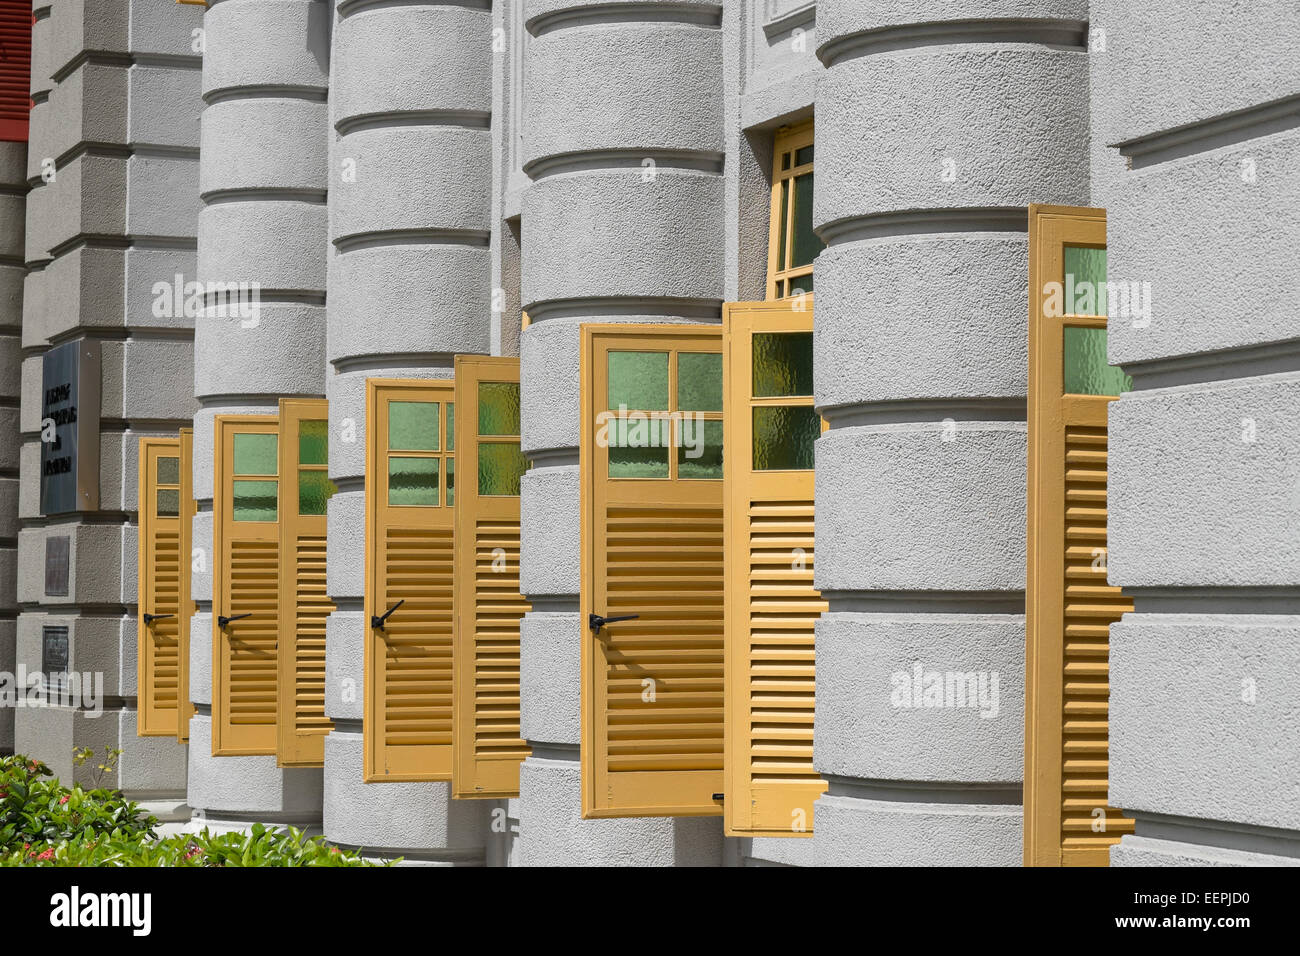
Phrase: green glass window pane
pixel 806 243
pixel 412 481
pixel 783 222
pixel 169 502
pixel 699 381
pixel 255 455
pixel 785 160
pixel 314 490
pixel 638 380
pixel 783 364
pixel 413 426
pixel 699 449
pixel 1086 371
pixel 498 408
pixel 784 437
pixel 638 462
pixel 451 482
pixel 500 466
pixel 803 285
pixel 313 442
pixel 451 426
pixel 1085 281
pixel 169 471
pixel 804 155
pixel 255 500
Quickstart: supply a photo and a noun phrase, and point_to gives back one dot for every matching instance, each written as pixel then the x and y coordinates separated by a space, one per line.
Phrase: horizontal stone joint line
pixel 684 160
pixel 1189 600
pixel 349 8
pixel 1051 32
pixel 928 411
pixel 267 91
pixel 928 603
pixel 599 308
pixel 552 457
pixel 802 16
pixel 1216 132
pixel 479 238
pixel 1217 834
pixel 1268 358
pixel 553 750
pixel 426 361
pixel 686 14
pixel 398 119
pixel 215 197
pixel 915 222
pixel 925 791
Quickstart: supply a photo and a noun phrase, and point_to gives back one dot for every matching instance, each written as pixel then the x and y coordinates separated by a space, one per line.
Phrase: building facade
pixel 987 298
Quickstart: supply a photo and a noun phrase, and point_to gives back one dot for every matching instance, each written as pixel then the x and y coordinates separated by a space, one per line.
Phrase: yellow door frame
pixel 771 604
pixel 680 774
pixel 487 748
pixel 1069 605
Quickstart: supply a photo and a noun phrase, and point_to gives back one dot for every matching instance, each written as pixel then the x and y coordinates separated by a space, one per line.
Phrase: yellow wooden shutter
pixel 772 605
pixel 246 582
pixel 652 542
pixel 164 562
pixel 410 507
pixel 188 508
pixel 304 600
pixel 1070 606
pixel 486 746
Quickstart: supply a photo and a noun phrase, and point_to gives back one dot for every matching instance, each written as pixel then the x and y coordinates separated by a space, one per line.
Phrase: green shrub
pixel 45 824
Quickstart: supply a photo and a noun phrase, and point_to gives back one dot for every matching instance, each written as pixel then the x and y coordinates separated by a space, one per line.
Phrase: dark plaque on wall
pixel 56 565
pixel 70 382
pixel 54 656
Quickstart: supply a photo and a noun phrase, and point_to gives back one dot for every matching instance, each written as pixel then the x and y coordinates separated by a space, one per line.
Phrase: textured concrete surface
pixel 853 832
pixel 1204 485
pixel 1139 851
pixel 877 718
pixel 942 515
pixel 263 182
pixel 1203 717
pixel 409 286
pixel 553 833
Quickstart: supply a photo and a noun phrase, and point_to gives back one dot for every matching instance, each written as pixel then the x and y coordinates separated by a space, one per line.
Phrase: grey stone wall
pixel 263 180
pixel 1202 119
pixel 971 110
pixel 112 166
pixel 411 278
pixel 607 88
pixel 13 216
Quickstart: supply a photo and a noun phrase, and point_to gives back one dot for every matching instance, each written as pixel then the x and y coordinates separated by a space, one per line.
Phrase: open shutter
pixel 486 746
pixel 15 69
pixel 164 562
pixel 188 508
pixel 772 606
pixel 410 507
pixel 245 598
pixel 304 600
pixel 1070 605
pixel 652 544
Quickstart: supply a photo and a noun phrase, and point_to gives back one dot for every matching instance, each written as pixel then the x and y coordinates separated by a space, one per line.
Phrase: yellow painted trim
pixel 1050 413
pixel 487 768
pixel 247 739
pixel 188 509
pixel 294 747
pixel 787 140
pixel 778 808
pixel 660 792
pixel 380 762
pixel 154 719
